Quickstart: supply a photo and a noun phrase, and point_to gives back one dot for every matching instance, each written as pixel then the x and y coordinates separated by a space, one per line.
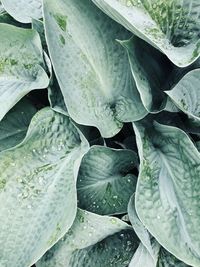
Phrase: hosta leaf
pixel 98 87
pixel 37 188
pixel 23 10
pixel 186 94
pixel 168 260
pixel 151 71
pixel 105 182
pixel 172 26
pixel 56 97
pixel 21 65
pixel 149 245
pixel 167 194
pixel 93 240
pixel 142 258
pixel 14 125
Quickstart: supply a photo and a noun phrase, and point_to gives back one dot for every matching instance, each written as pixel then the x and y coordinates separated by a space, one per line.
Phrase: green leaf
pixel 21 65
pixel 151 71
pixel 149 248
pixel 168 260
pixel 15 124
pixel 186 94
pixel 105 182
pixel 171 26
pixel 38 200
pixel 98 87
pixel 142 257
pixel 93 240
pixel 23 10
pixel 167 195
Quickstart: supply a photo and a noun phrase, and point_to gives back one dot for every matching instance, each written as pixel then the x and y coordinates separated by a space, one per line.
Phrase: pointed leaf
pixel 98 88
pixel 151 72
pixel 21 65
pixel 38 188
pixel 167 195
pixel 80 246
pixel 172 26
pixel 186 94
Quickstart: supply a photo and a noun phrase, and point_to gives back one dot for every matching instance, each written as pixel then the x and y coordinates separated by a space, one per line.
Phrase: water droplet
pixel 113 221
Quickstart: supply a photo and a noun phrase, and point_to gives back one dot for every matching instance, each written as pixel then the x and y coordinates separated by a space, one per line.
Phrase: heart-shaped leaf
pixel 105 182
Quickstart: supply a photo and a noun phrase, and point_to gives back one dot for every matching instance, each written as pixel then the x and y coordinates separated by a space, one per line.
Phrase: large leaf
pixel 38 200
pixel 15 124
pixel 167 194
pixel 21 65
pixel 172 26
pixel 151 71
pixel 92 68
pixel 105 182
pixel 186 94
pixel 23 10
pixel 80 247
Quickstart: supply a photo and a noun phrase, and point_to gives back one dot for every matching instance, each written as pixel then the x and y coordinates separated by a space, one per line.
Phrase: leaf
pixel 186 94
pixel 148 244
pixel 198 145
pixel 21 65
pixel 96 89
pixel 15 124
pixel 167 196
pixel 80 246
pixel 142 258
pixel 38 200
pixel 171 26
pixel 151 72
pixel 105 182
pixel 23 10
pixel 168 260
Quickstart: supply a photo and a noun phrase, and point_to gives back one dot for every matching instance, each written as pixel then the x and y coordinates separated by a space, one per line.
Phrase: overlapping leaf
pixel 23 10
pixel 172 26
pixel 15 124
pixel 38 188
pixel 93 240
pixel 92 68
pixel 167 194
pixel 21 65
